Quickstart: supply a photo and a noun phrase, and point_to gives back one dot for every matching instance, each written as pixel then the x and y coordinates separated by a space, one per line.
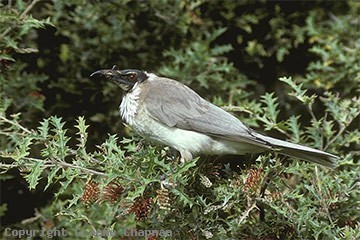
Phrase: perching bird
pixel 170 113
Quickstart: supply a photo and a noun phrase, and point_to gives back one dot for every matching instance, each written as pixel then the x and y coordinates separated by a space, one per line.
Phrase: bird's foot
pixel 139 145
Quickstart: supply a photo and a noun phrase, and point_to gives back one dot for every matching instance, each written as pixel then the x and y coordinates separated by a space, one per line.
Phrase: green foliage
pixel 335 42
pixel 203 66
pixel 296 198
pixel 17 38
pixel 53 133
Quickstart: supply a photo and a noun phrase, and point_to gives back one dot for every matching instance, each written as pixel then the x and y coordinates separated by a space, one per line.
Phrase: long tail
pixel 302 152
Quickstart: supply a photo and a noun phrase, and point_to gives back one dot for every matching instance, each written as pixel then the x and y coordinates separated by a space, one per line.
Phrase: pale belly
pixel 189 143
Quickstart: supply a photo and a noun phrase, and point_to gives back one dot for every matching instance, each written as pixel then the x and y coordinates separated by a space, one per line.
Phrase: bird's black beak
pixel 115 76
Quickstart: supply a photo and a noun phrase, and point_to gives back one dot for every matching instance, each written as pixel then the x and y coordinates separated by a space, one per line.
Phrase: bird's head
pixel 126 79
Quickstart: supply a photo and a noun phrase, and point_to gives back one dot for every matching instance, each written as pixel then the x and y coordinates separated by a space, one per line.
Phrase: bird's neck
pixel 129 104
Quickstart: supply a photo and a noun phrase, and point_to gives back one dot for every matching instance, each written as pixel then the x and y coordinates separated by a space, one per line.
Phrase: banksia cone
pixel 253 181
pixel 163 199
pixel 141 208
pixel 112 192
pixel 205 181
pixel 91 193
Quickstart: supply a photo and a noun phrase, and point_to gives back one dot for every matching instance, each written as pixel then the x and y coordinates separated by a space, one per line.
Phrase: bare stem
pixel 15 123
pixel 312 114
pixel 86 170
pixel 53 164
pixel 341 130
pixel 27 10
pixel 12 133
pixel 246 213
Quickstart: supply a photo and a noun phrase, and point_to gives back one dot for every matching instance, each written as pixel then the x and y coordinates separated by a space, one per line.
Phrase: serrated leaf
pixel 315 133
pixel 281 53
pixel 30 23
pixel 161 163
pixel 74 201
pixel 219 50
pixel 7 57
pixel 328 129
pixel 185 199
pixel 50 176
pixel 61 139
pixel 69 177
pixel 298 92
pixel 344 111
pixel 35 175
pixel 293 123
pixel 25 145
pixel 271 106
pixel 215 34
pixel 82 127
pixel 44 128
pixel 181 171
pixel 139 191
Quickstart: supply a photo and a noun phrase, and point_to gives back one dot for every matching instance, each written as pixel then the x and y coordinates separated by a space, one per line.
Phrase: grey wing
pixel 179 106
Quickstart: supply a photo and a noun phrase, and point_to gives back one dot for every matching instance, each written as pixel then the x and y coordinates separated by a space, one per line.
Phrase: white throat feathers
pixel 129 105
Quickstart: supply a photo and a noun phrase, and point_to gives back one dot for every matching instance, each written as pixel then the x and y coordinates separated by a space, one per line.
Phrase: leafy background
pixel 289 68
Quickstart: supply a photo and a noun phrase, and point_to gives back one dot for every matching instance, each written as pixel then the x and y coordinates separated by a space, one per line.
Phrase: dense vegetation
pixel 289 68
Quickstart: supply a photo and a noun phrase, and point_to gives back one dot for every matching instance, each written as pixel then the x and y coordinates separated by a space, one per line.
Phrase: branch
pixel 86 170
pixel 65 164
pixel 341 130
pixel 48 164
pixel 246 213
pixel 12 133
pixel 26 11
pixel 15 123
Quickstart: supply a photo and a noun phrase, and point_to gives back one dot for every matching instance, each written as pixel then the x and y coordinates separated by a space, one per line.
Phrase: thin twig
pixel 12 133
pixel 74 152
pixel 315 120
pixel 312 113
pixel 61 163
pixel 64 164
pixel 283 132
pixel 246 213
pixel 26 11
pixel 341 130
pixel 16 124
pixel 12 165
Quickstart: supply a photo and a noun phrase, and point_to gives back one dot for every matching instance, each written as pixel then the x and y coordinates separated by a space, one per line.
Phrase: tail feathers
pixel 302 152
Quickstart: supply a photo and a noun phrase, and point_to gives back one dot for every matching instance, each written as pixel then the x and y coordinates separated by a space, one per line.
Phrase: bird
pixel 168 112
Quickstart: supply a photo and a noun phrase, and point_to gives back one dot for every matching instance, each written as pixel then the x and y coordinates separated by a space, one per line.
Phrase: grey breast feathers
pixel 176 105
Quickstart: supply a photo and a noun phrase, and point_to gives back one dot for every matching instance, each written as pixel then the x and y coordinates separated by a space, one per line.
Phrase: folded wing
pixel 176 105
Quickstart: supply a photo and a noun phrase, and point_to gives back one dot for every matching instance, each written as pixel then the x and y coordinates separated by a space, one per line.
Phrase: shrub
pixel 122 185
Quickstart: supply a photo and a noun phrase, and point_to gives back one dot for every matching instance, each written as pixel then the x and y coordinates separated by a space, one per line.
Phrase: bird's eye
pixel 132 76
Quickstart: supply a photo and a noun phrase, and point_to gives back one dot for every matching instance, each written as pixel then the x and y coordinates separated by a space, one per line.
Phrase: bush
pixel 57 129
